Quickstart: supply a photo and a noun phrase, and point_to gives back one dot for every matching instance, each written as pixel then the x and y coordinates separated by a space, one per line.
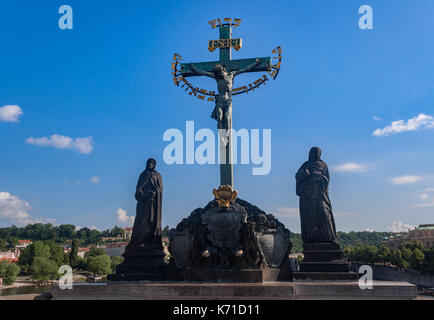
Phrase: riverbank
pixel 19 283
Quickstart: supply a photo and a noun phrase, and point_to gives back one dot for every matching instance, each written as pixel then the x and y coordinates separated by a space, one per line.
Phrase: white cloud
pixel 399 226
pixel 10 113
pixel 13 208
pixel 424 196
pixel 349 167
pixel 124 218
pixel 94 179
pixel 78 228
pixel 16 210
pixel 424 205
pixel 287 212
pixel 422 121
pixel 377 118
pixel 38 220
pixel 82 145
pixel 406 179
pixel 343 214
pixel 427 194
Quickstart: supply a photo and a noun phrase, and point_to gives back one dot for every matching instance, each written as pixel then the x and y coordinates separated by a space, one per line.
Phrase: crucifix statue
pixel 223 101
pixel 224 71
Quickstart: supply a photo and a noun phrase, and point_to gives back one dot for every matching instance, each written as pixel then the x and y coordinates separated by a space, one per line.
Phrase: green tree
pixel 28 255
pixel 383 253
pixel 11 242
pixel 9 272
pixel 114 262
pixel 93 252
pixel 44 269
pixel 67 231
pixel 56 252
pixel 416 259
pixel 73 255
pixel 397 259
pixel 2 245
pixel 406 253
pixel 429 261
pixel 66 259
pixel 165 232
pixel 117 232
pixel 94 236
pixel 413 245
pixel 48 250
pixel 99 264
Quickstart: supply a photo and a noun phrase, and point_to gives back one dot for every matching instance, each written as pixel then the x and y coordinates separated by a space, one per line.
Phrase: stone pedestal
pixel 332 290
pixel 142 263
pixel 240 275
pixel 235 243
pixel 324 261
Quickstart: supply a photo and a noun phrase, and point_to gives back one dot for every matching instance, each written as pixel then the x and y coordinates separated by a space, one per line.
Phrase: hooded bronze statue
pixel 317 222
pixel 149 194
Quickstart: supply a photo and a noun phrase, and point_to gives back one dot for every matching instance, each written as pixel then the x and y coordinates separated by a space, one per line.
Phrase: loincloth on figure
pixel 222 105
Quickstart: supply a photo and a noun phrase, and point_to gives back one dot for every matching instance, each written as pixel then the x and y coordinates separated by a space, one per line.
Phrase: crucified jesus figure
pixel 223 101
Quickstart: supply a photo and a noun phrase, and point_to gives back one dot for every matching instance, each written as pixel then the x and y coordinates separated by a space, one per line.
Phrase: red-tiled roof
pixel 9 259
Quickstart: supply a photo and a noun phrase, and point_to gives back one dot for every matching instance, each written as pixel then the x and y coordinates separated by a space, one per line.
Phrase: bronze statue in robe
pixel 149 194
pixel 317 222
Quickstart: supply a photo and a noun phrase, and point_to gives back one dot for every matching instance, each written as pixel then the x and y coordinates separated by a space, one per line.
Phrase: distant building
pixel 82 251
pixel 423 233
pixel 10 256
pixel 114 249
pixel 108 239
pixel 128 232
pixel 23 244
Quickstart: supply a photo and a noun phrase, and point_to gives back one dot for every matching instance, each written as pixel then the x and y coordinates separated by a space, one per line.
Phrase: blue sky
pixel 109 80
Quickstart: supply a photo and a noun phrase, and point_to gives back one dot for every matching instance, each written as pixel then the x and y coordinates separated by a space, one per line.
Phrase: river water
pixel 25 290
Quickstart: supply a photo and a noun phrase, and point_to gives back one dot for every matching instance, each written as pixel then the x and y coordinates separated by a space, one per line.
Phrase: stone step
pixel 324 276
pixel 312 290
pixel 324 256
pixel 340 266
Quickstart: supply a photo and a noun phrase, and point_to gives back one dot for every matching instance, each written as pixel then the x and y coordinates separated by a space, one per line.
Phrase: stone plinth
pixel 142 263
pixel 324 276
pixel 336 290
pixel 323 262
pixel 237 275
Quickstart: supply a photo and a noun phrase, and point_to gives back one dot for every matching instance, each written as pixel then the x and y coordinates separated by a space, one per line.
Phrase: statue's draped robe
pixel 147 224
pixel 317 222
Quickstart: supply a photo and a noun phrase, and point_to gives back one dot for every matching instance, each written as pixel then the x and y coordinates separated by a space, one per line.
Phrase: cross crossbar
pixel 230 65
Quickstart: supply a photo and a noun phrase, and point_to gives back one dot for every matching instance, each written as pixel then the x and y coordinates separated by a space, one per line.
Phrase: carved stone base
pixel 324 258
pixel 237 275
pixel 239 236
pixel 142 263
pixel 324 276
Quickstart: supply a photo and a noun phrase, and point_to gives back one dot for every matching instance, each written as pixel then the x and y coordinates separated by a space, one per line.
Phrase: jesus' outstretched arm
pixel 201 72
pixel 248 68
